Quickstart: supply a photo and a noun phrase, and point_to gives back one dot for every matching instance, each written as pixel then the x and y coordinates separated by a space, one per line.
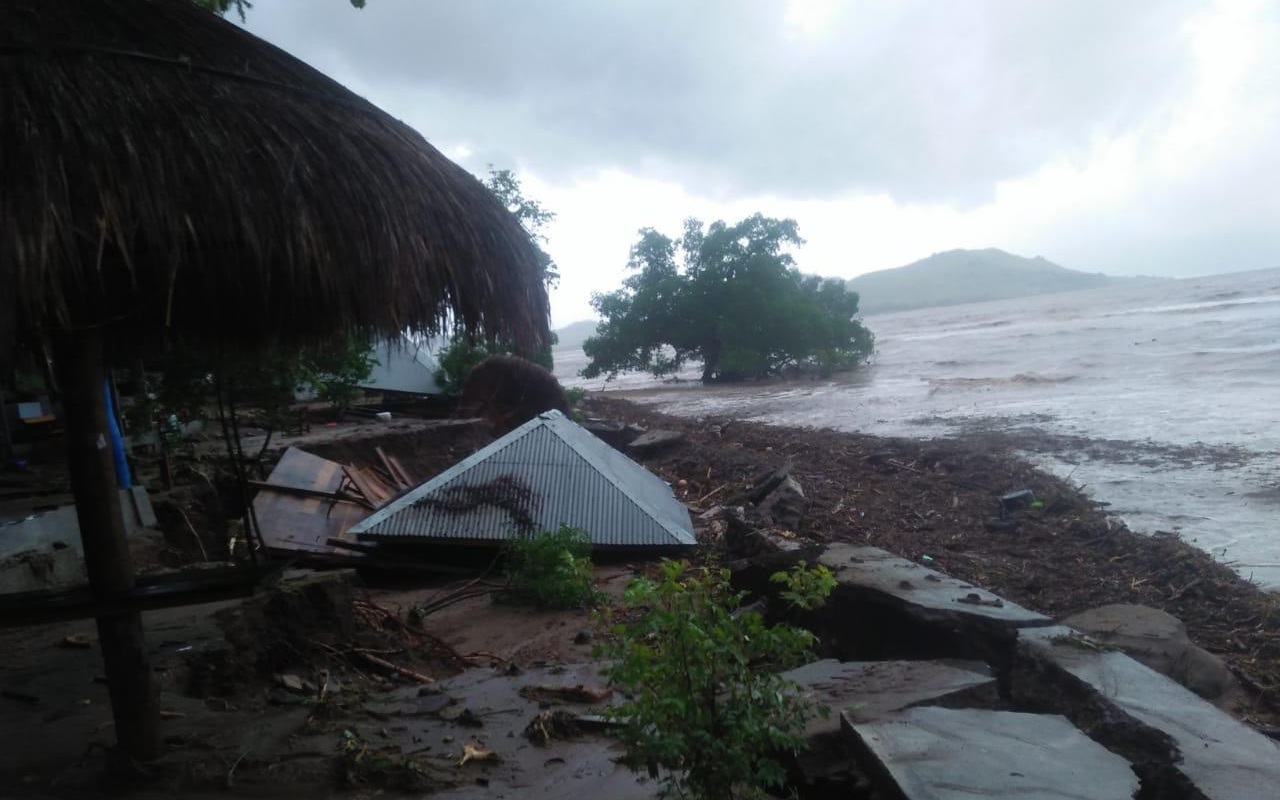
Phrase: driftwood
pixel 396 668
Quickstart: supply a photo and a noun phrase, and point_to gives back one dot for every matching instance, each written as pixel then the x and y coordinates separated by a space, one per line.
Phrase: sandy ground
pixel 57 719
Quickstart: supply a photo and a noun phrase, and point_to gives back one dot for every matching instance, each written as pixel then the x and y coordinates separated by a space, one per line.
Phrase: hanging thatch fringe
pixel 165 171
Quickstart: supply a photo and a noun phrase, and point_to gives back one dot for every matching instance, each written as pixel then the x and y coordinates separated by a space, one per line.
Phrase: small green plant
pixel 551 569
pixel 805 588
pixel 707 711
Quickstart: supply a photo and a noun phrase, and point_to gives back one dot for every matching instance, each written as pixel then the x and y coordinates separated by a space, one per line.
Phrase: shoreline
pixel 1216 495
pixel 934 502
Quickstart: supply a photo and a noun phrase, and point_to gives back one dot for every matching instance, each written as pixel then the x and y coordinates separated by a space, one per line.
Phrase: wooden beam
pixel 367 485
pixel 390 468
pixel 319 493
pixel 405 479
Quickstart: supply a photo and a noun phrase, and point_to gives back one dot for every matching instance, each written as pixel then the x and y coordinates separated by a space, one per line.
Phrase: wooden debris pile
pixel 308 503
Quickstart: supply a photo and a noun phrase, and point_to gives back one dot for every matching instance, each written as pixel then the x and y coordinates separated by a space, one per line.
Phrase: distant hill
pixel 966 276
pixel 575 333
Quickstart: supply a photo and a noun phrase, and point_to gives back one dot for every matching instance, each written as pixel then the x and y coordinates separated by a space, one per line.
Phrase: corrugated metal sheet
pixel 577 479
pixel 403 365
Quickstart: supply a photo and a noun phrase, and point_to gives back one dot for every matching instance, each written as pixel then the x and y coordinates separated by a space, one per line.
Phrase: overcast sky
pixel 1116 136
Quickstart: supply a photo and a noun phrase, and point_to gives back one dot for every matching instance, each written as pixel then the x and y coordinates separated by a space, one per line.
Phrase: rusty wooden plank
pixel 405 479
pixel 368 485
pixel 390 468
pixel 301 522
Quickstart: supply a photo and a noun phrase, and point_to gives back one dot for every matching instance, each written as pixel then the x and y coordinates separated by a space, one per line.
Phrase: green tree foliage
pixel 336 372
pixel 533 217
pixel 464 350
pixel 194 380
pixel 707 710
pixel 550 569
pixel 730 297
pixel 266 383
pixel 458 358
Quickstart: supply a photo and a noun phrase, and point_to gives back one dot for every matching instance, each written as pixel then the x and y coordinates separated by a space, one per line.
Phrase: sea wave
pixel 1020 379
pixel 1202 307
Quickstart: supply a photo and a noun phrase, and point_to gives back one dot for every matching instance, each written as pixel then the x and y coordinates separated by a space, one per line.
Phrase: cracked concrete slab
pixel 868 690
pixel 950 754
pixel 1222 757
pixel 925 592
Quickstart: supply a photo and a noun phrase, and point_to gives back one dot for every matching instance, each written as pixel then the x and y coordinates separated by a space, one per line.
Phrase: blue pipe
pixel 117 441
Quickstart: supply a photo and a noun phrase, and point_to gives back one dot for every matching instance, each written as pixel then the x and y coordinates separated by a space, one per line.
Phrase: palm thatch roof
pixel 167 173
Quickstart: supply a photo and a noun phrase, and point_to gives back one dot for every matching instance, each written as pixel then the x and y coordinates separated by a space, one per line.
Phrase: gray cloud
pixel 925 101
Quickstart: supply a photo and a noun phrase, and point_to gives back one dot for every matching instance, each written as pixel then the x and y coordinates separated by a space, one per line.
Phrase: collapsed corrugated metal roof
pixel 546 473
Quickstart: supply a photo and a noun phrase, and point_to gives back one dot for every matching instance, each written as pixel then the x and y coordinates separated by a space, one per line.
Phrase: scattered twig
pixel 372 652
pixel 452 598
pixel 471 657
pixel 1190 585
pixel 396 668
pixel 341 654
pixel 711 494
pixel 204 554
pixel 1248 680
pixel 229 780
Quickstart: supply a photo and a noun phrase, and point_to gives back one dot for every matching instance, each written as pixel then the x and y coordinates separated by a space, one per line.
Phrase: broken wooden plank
pixel 390 468
pixel 343 544
pixel 295 523
pixel 336 497
pixel 405 479
pixel 367 485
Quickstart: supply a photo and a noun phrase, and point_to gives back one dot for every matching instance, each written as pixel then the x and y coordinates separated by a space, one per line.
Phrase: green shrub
pixel 551 569
pixel 464 353
pixel 805 588
pixel 458 358
pixel 707 710
pixel 574 395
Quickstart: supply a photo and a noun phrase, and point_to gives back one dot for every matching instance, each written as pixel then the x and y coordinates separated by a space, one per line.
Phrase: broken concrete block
pixel 785 505
pixel 922 592
pixel 767 481
pixel 653 441
pixel 614 434
pixel 1160 641
pixel 942 754
pixel 869 690
pixel 1223 758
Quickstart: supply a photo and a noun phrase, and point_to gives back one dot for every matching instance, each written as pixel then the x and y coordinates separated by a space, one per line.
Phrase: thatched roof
pixel 162 170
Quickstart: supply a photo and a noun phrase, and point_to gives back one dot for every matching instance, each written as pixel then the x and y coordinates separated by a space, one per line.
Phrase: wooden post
pixel 6 437
pixel 134 703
